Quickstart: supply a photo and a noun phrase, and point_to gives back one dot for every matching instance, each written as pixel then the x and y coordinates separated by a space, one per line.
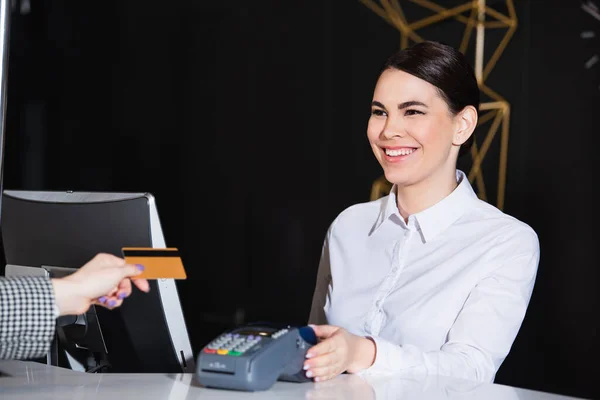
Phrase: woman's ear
pixel 466 123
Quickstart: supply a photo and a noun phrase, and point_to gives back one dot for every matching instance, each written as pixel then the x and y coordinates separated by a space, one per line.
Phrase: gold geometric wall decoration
pixel 479 17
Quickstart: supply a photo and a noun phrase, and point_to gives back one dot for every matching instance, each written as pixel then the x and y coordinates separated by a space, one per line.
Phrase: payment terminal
pixel 254 357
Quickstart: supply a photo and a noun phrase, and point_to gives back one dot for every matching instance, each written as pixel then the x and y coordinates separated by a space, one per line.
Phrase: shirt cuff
pixel 391 358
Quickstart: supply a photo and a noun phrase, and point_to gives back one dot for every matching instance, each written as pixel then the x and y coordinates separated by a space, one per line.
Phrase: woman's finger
pixel 142 284
pixel 124 289
pixel 324 347
pixel 114 303
pixel 100 301
pixel 324 331
pixel 109 302
pixel 320 361
pixel 112 292
pixel 321 372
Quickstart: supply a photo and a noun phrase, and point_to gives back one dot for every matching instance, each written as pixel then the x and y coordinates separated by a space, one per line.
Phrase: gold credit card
pixel 158 263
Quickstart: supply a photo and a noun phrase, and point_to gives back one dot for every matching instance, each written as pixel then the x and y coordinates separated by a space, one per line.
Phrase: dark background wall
pixel 247 122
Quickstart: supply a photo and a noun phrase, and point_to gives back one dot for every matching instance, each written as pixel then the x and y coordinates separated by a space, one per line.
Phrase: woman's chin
pixel 399 177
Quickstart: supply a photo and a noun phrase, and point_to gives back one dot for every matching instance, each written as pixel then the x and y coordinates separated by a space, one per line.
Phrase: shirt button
pixel 378 303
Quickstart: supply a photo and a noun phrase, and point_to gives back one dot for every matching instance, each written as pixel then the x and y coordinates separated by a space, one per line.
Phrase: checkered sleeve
pixel 27 317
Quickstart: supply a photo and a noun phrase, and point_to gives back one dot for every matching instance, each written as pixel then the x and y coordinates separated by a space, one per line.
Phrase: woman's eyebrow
pixel 407 104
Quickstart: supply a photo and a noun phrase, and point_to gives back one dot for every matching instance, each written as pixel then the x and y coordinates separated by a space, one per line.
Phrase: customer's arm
pixel 29 306
pixel 27 317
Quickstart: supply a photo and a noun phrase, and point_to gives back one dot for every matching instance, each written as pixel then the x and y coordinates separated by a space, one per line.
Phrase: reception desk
pixel 30 380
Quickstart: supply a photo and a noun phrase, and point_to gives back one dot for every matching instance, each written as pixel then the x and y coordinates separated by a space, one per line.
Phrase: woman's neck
pixel 415 198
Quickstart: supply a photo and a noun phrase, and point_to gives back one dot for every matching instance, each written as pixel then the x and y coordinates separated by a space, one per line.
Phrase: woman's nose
pixel 393 128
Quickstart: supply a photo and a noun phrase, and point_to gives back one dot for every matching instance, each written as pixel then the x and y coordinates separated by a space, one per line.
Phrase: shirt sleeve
pixel 28 315
pixel 322 287
pixel 483 333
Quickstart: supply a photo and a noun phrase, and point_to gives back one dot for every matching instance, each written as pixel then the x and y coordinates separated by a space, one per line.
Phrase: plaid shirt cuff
pixel 28 315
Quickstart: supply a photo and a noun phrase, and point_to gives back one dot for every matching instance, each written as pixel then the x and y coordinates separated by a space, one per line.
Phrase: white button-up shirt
pixel 445 293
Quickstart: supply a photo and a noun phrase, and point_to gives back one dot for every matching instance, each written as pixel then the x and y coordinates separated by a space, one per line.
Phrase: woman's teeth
pixel 399 152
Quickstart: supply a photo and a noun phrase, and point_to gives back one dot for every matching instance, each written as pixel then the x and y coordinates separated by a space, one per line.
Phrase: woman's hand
pixel 338 351
pixel 104 280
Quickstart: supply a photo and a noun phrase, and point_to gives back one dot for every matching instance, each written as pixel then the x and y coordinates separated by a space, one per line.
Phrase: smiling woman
pixel 423 116
pixel 429 278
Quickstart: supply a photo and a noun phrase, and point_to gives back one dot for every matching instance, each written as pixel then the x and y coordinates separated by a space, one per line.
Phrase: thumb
pixel 129 270
pixel 324 331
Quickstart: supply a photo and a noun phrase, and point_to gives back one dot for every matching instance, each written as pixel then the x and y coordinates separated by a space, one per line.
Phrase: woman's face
pixel 411 129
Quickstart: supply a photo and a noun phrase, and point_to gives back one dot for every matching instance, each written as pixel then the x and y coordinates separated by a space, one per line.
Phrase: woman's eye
pixel 378 113
pixel 413 112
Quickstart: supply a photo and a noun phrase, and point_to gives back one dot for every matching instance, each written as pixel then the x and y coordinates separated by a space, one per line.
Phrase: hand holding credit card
pixel 158 263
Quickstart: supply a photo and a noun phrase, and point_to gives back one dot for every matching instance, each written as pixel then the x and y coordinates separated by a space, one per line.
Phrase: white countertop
pixel 30 380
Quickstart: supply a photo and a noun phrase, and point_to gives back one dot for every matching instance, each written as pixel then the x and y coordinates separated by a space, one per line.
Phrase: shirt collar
pixel 435 219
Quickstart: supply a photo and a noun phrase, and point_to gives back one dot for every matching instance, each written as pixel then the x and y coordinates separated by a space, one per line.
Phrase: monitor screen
pixel 67 229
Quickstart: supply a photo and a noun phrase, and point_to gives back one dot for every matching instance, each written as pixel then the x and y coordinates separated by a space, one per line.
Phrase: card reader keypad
pixel 232 344
pixel 235 344
pixel 280 333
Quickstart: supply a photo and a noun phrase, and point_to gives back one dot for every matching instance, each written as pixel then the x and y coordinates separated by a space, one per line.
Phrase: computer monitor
pixel 66 229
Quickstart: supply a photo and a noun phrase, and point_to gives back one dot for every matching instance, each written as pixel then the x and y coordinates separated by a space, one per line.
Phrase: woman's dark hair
pixel 445 68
